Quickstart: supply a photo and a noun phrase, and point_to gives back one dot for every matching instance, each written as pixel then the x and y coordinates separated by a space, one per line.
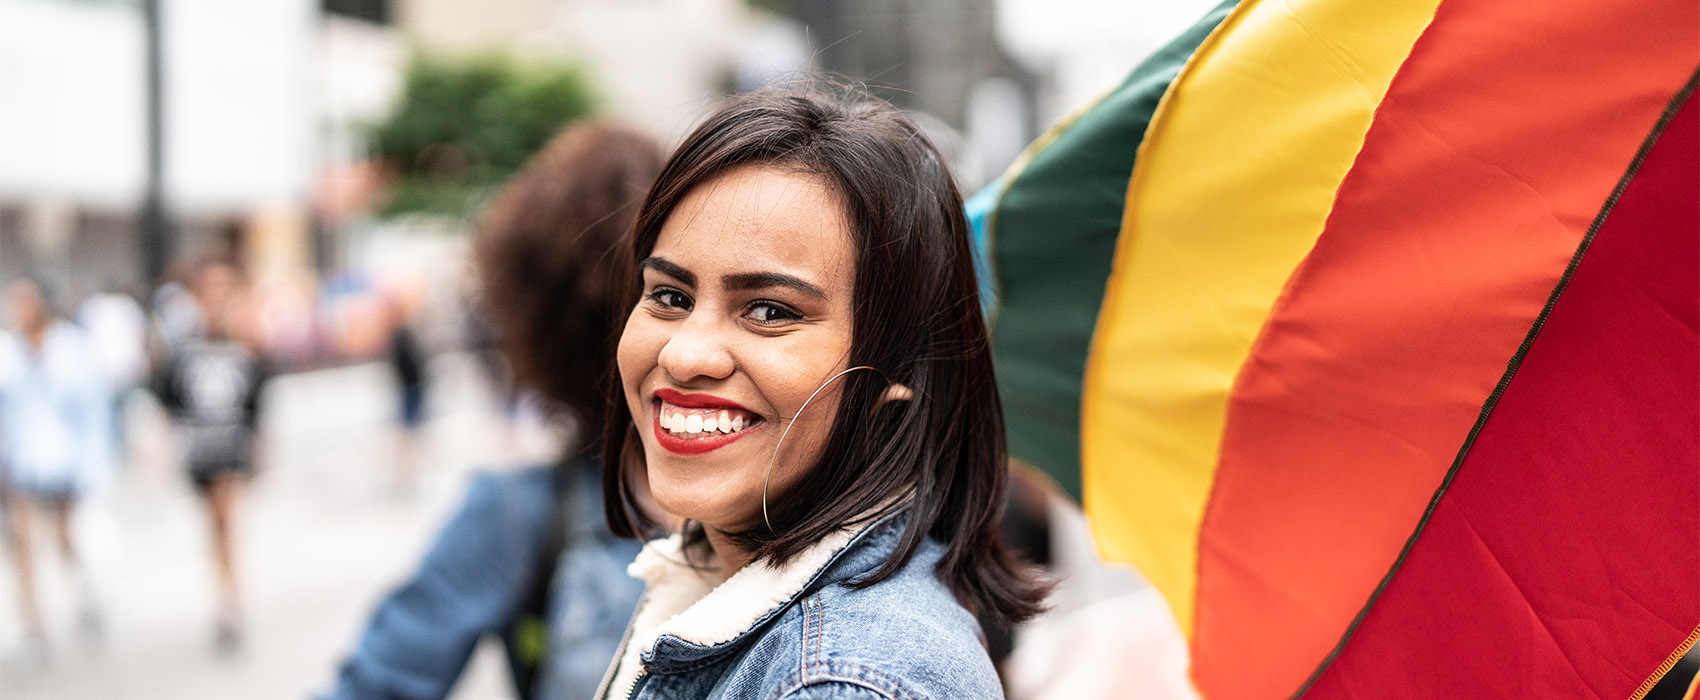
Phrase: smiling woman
pixel 807 384
pixel 752 320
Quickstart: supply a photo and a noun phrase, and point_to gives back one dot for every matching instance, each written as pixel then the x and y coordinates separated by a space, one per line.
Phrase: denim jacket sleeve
pixel 834 690
pixel 468 585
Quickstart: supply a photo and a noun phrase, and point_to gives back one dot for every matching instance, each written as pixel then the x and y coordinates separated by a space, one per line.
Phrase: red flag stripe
pixel 1498 141
pixel 1561 559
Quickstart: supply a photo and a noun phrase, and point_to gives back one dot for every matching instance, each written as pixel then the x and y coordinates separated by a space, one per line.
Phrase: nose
pixel 697 350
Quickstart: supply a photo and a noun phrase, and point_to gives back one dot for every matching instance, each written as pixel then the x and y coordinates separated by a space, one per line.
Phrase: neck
pixel 730 556
pixel 36 336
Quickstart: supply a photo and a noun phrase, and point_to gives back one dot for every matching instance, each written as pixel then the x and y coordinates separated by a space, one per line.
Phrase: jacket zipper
pixel 605 689
pixel 643 674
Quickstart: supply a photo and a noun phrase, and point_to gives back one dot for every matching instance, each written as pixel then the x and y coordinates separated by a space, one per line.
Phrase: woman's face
pixel 26 307
pixel 745 313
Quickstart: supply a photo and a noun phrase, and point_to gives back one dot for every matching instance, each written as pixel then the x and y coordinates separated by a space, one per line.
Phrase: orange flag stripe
pixel 1231 188
pixel 1498 141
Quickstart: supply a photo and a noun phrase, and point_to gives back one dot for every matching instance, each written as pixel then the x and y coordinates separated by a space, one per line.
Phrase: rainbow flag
pixel 1368 333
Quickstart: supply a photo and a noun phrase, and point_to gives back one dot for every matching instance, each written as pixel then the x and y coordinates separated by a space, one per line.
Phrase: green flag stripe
pixel 1052 235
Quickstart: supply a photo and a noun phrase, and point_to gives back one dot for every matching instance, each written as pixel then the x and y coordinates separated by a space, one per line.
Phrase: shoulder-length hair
pixel 917 320
pixel 549 252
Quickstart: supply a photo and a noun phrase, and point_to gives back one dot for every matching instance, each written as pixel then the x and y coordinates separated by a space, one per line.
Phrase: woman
pixel 55 432
pixel 211 383
pixel 807 383
pixel 529 557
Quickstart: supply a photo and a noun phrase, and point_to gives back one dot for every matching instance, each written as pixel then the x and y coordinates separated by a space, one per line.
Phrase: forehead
pixel 761 218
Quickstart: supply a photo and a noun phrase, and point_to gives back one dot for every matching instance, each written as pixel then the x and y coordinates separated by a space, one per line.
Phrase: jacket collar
pixel 738 608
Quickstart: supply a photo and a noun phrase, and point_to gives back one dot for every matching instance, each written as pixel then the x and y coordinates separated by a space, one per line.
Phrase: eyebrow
pixel 742 281
pixel 763 280
pixel 664 267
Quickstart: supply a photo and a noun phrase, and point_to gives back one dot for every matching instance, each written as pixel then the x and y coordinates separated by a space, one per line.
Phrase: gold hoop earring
pixel 768 479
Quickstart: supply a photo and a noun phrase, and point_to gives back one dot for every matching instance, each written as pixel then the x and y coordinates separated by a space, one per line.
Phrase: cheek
pixel 788 373
pixel 636 356
pixel 812 419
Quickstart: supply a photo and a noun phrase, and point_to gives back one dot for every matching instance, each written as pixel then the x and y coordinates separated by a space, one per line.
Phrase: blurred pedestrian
pixel 1026 532
pixel 117 328
pixel 529 558
pixel 407 360
pixel 176 316
pixel 54 416
pixel 484 340
pixel 211 385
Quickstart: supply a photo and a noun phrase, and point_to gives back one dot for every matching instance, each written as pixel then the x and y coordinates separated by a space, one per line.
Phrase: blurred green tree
pixel 461 127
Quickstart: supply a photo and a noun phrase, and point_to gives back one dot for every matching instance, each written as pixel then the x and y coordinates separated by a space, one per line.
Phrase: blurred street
pixel 325 530
pixel 194 191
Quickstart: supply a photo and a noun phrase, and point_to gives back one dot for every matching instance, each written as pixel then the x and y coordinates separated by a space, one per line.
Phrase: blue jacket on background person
pixel 490 574
pixel 803 632
pixel 55 416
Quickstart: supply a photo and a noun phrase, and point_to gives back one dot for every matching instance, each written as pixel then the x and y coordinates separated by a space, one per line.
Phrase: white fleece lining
pixel 685 602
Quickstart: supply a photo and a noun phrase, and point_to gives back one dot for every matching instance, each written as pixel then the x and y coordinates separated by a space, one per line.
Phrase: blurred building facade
pixel 995 73
pixel 657 64
pixel 265 102
pixel 237 139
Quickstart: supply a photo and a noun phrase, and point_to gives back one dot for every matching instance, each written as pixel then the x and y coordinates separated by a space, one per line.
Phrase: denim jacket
pixel 473 583
pixel 816 638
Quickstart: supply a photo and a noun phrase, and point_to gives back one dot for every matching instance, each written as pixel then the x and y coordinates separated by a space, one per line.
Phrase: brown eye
pixel 770 313
pixel 669 298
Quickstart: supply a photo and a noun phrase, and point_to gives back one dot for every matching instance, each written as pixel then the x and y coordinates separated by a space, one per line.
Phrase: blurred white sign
pixel 71 102
pixel 238 102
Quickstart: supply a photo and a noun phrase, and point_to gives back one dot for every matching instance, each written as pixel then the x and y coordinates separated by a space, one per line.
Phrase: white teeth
pixel 677 421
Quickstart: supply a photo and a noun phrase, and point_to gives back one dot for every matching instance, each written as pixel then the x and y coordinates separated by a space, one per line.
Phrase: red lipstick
pixel 698 445
pixel 696 400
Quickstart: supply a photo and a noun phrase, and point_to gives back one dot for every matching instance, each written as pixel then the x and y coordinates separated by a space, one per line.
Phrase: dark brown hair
pixel 550 251
pixel 916 319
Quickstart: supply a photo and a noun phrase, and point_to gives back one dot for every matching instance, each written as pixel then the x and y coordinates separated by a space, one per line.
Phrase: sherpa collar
pixel 684 605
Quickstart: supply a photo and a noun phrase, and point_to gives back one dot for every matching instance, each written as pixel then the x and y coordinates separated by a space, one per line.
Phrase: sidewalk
pixel 324 533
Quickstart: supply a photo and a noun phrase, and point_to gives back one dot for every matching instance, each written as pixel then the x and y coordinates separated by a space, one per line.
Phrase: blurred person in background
pixel 176 316
pixel 407 361
pixel 485 342
pixel 211 384
pixel 55 430
pixel 1026 531
pixel 117 328
pixel 529 557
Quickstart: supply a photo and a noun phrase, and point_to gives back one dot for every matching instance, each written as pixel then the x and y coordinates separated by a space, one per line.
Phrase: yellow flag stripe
pixel 1230 190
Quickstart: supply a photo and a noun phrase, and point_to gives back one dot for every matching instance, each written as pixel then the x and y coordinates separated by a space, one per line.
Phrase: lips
pixel 698 423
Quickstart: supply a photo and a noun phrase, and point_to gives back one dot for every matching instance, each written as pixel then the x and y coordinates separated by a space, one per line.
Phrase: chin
pixel 693 494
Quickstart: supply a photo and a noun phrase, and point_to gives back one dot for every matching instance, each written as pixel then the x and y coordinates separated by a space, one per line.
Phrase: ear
pixel 894 392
